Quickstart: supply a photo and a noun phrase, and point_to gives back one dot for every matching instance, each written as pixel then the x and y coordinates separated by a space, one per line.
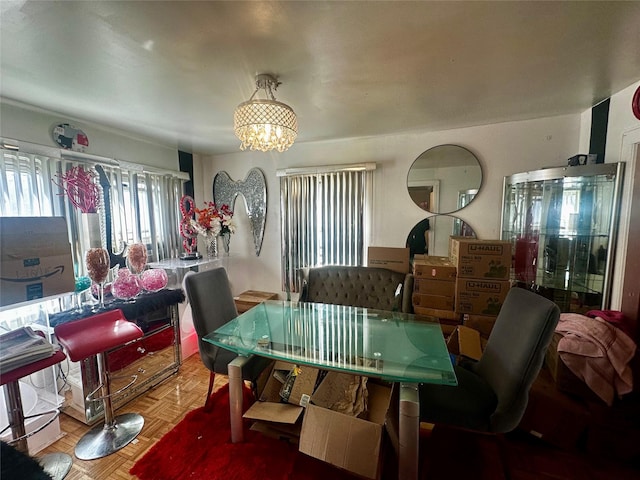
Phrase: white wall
pixel 33 125
pixel 503 149
pixel 623 130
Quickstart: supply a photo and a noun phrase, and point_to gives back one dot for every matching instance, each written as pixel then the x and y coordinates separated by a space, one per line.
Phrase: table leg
pixel 235 397
pixel 409 432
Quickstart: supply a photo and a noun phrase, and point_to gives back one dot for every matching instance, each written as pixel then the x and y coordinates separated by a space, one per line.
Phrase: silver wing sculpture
pixel 254 190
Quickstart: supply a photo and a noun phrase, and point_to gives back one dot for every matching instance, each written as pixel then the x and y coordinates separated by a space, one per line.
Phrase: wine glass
pixel 137 258
pixel 98 264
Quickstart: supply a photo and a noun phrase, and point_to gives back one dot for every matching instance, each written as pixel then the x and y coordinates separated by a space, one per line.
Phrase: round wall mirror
pixel 444 179
pixel 431 235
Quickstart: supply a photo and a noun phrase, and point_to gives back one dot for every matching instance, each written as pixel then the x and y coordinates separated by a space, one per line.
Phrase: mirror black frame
pixel 423 195
pixel 421 244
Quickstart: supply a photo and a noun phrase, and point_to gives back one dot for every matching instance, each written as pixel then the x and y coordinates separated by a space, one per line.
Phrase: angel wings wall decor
pixel 254 191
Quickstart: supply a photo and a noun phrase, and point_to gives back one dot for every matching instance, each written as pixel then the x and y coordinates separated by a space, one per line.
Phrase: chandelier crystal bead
pixel 265 124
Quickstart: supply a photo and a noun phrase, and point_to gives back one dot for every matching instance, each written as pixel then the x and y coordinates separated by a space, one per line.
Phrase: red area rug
pixel 199 448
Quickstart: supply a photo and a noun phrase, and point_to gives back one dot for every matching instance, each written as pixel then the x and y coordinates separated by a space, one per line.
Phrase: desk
pixel 388 345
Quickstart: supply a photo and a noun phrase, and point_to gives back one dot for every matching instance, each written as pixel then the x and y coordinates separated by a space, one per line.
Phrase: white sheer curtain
pixel 325 217
pixel 144 205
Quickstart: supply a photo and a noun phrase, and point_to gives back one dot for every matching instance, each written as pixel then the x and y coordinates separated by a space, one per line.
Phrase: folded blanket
pixel 598 353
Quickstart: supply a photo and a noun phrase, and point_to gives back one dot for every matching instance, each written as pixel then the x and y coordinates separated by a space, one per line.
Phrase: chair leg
pixel 117 432
pixel 207 403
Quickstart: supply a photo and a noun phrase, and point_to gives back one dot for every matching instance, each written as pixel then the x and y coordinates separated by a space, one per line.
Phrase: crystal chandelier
pixel 265 124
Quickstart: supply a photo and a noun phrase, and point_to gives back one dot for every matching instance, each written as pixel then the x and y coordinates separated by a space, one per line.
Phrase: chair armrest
pixel 303 284
pixel 407 291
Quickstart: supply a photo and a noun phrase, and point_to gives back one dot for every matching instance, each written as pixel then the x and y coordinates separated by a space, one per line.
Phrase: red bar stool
pixel 96 335
pixel 57 465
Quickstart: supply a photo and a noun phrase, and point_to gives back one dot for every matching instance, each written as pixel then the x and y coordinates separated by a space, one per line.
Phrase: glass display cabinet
pixel 562 223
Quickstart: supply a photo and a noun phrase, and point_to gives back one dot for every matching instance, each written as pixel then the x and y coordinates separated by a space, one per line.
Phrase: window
pixel 325 216
pixel 144 205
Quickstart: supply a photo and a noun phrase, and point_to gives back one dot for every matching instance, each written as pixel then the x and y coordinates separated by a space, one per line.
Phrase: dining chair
pixel 212 305
pixel 492 394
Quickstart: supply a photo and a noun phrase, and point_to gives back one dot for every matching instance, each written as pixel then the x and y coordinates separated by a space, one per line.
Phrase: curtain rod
pixel 36 149
pixel 354 167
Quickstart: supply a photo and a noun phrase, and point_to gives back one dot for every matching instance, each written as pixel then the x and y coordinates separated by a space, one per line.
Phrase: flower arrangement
pixel 212 221
pixel 80 187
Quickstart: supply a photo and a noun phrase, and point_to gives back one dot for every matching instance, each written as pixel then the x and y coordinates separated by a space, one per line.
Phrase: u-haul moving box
pixel 35 258
pixel 480 296
pixel 481 258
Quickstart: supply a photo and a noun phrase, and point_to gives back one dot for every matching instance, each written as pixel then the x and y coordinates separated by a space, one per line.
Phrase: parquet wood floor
pixel 162 408
pixel 446 454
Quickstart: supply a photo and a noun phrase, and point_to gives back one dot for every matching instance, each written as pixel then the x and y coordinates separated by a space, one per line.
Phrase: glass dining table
pixel 392 346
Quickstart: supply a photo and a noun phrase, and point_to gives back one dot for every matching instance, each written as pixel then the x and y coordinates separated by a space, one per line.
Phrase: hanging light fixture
pixel 265 124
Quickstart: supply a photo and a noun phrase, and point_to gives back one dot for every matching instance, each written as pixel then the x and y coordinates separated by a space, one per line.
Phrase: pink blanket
pixel 598 353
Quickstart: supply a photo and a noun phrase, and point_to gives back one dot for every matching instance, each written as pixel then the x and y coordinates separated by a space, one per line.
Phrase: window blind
pixel 325 218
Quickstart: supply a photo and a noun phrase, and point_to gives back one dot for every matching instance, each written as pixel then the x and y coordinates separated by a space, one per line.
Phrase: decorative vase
pixel 226 240
pixel 98 263
pixel 90 230
pixel 137 257
pixel 126 285
pixel 154 279
pixel 212 247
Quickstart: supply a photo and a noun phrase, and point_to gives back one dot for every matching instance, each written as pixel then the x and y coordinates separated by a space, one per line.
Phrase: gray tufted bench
pixel 368 287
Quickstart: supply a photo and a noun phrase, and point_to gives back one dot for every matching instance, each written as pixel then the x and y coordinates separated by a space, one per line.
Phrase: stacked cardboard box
pixel 434 289
pixel 35 258
pixel 483 268
pixel 336 417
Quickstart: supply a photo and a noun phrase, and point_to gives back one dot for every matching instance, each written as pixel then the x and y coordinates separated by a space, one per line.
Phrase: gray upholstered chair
pixel 212 305
pixel 492 394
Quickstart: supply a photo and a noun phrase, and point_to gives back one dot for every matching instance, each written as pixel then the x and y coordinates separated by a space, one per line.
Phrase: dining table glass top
pixel 394 346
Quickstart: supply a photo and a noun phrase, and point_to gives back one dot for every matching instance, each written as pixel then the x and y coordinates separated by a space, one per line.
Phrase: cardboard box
pixel 482 323
pixel 481 258
pixel 551 357
pixel 303 381
pixel 449 315
pixel 436 268
pixel 270 408
pixel 429 286
pixel 439 302
pixel 396 259
pixel 280 431
pixel 447 329
pixel 565 380
pixel 35 258
pixel 464 342
pixel 354 444
pixel 251 298
pixel 480 296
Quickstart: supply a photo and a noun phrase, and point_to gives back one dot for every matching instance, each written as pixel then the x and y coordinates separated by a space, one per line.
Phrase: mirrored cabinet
pixel 562 223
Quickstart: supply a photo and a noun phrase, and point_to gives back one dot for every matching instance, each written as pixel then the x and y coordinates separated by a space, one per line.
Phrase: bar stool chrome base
pixel 105 440
pixel 57 465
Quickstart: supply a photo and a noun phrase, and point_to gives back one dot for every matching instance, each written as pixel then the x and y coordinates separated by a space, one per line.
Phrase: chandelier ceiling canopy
pixel 265 124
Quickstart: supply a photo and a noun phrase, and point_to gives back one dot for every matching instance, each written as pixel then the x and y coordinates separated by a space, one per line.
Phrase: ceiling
pixel 175 71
